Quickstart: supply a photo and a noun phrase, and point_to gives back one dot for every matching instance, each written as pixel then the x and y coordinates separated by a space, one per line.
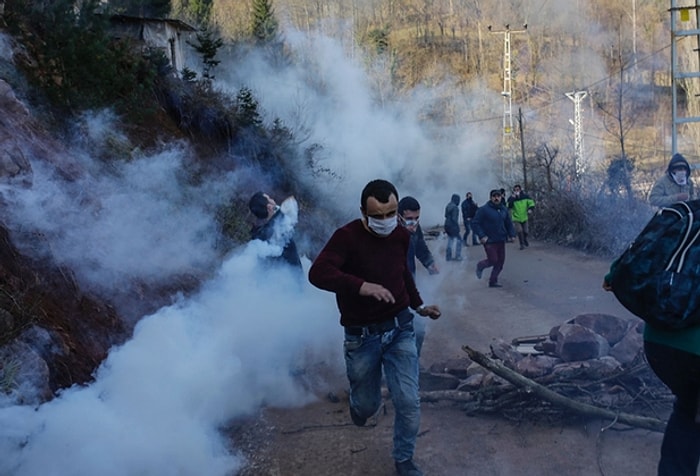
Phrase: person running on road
pixel 409 216
pixel 521 205
pixel 493 226
pixel 364 264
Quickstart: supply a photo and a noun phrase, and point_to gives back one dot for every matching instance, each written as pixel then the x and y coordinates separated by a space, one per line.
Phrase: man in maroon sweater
pixel 364 264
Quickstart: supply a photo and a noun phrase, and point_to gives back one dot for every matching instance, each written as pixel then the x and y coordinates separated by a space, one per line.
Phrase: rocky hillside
pixel 53 334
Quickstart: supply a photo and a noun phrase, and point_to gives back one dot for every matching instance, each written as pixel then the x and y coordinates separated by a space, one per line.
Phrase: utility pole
pixel 577 97
pixel 508 149
pixel 522 147
pixel 682 14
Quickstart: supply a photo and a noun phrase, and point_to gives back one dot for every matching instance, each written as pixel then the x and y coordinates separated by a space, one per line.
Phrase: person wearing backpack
pixel 675 185
pixel 674 356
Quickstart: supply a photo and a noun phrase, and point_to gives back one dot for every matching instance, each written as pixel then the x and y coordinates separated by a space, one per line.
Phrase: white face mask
pixel 382 227
pixel 679 177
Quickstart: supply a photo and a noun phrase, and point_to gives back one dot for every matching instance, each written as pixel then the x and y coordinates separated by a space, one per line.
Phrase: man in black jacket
pixel 454 241
pixel 270 227
pixel 469 208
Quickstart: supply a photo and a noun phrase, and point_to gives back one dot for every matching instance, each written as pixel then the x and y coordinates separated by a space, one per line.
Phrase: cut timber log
pixel 450 395
pixel 560 400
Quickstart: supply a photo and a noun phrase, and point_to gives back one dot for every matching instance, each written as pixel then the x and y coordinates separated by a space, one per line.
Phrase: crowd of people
pixel 370 266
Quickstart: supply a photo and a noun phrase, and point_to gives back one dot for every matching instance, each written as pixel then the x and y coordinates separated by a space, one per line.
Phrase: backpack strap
pixel 686 243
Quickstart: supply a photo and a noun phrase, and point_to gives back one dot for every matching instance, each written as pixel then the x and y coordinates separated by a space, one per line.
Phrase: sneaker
pixel 458 258
pixel 479 271
pixel 495 285
pixel 356 419
pixel 408 468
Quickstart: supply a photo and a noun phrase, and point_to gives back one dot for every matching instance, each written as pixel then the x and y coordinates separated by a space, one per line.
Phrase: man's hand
pixel 377 291
pixel 682 197
pixel 431 311
pixel 483 240
pixel 607 286
pixel 433 269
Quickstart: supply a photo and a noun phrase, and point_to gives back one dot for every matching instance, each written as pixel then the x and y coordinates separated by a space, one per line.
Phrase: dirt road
pixel 542 286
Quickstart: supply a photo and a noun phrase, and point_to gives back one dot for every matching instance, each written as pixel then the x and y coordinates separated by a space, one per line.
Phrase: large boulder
pixel 594 369
pixel 24 375
pixel 613 328
pixel 533 366
pixel 631 346
pixel 505 352
pixel 575 342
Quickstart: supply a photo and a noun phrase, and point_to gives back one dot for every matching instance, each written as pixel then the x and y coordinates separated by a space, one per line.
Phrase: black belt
pixel 380 327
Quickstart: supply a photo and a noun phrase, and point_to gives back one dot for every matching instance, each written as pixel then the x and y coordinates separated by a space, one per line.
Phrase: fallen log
pixel 450 395
pixel 546 394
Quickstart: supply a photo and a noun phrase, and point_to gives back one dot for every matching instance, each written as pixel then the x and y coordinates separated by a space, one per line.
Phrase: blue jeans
pixel 395 352
pixel 454 242
pixel 467 230
pixel 419 328
pixel 680 371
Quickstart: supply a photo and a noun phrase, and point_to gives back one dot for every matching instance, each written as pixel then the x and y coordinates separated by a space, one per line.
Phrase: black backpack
pixel 658 277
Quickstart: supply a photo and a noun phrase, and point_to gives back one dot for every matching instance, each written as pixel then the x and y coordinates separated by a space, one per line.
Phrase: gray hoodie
pixel 667 190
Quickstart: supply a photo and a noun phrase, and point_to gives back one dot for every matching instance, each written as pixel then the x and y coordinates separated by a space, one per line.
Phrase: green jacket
pixel 519 207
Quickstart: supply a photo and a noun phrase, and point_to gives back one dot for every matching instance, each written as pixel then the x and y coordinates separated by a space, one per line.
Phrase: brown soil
pixel 543 286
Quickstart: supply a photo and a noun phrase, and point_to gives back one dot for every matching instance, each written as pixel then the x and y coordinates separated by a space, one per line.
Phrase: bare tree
pixel 545 157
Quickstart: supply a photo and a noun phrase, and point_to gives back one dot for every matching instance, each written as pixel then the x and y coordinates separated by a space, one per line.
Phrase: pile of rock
pixel 588 346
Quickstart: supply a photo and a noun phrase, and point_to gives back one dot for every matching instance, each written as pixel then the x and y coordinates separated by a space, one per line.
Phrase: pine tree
pixel 265 26
pixel 208 46
pixel 248 114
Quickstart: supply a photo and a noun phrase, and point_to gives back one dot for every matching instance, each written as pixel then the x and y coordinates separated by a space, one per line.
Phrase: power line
pixel 561 96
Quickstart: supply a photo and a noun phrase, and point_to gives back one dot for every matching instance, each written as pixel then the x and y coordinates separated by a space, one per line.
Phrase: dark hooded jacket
pixel 469 208
pixel 666 191
pixel 493 221
pixel 452 217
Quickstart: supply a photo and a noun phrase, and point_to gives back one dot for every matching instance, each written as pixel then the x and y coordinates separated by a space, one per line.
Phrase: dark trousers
pixel 680 371
pixel 467 230
pixel 496 257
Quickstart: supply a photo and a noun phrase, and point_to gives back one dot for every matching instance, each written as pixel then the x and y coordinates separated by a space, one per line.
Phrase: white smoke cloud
pixel 158 400
pixel 327 99
pixel 115 223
